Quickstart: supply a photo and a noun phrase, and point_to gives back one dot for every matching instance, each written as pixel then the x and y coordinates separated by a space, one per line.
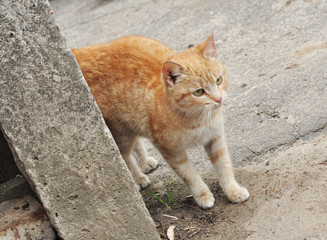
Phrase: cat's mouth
pixel 216 105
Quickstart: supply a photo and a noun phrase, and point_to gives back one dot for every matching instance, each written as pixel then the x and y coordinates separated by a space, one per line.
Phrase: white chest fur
pixel 202 135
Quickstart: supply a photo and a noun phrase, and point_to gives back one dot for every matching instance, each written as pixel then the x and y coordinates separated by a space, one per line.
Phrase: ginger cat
pixel 145 89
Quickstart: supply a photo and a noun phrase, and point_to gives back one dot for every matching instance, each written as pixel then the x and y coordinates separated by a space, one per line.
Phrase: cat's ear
pixel 210 48
pixel 172 72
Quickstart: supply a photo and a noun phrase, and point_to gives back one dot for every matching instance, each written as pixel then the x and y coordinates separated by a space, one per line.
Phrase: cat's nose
pixel 218 100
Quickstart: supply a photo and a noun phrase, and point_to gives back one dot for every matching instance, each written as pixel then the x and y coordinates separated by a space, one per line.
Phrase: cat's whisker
pixel 193 112
pixel 196 111
pixel 202 116
pixel 205 114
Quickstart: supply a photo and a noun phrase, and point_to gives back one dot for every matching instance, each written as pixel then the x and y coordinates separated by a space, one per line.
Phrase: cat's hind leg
pixel 145 162
pixel 126 145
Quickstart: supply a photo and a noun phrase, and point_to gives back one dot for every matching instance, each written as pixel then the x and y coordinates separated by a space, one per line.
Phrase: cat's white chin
pixel 217 106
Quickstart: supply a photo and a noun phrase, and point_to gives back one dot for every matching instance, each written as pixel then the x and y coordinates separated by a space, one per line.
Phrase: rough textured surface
pixel 288 199
pixel 294 205
pixel 24 218
pixel 57 134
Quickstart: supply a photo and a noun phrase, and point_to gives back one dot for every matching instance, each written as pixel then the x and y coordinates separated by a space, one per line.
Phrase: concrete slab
pixel 57 134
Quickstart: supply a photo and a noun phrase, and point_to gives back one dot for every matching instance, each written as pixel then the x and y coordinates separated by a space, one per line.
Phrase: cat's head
pixel 195 80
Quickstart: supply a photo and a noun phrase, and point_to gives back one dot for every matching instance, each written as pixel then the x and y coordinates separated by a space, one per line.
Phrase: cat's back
pixel 141 47
pixel 130 55
pixel 124 78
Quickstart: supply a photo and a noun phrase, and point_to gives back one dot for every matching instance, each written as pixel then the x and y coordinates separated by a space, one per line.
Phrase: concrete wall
pixel 57 134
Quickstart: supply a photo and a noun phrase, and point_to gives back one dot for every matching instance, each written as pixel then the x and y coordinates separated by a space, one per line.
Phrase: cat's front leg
pixel 200 191
pixel 219 156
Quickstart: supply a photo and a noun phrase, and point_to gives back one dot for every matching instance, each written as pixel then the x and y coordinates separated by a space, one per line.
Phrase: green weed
pixel 168 203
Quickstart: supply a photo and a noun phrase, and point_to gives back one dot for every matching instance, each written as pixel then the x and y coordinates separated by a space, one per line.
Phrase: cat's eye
pixel 198 92
pixel 219 80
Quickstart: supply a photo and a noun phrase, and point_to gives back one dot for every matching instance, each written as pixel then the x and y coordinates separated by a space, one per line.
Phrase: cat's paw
pixel 238 194
pixel 148 164
pixel 142 180
pixel 205 199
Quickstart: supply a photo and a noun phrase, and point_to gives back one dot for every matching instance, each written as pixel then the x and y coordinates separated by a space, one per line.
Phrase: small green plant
pixel 170 197
pixel 167 203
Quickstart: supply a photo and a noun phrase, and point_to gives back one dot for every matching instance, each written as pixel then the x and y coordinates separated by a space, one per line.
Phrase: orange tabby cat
pixel 145 89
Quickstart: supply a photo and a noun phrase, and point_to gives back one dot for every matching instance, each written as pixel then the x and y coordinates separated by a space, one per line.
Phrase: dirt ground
pixel 288 199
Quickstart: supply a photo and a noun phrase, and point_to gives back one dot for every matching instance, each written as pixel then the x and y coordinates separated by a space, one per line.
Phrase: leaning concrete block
pixel 57 134
pixel 24 218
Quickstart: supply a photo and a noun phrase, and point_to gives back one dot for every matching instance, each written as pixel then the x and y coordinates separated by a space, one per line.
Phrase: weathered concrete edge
pixel 40 193
pixel 147 218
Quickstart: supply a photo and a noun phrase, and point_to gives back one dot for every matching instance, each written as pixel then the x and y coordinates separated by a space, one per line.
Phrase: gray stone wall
pixel 57 134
